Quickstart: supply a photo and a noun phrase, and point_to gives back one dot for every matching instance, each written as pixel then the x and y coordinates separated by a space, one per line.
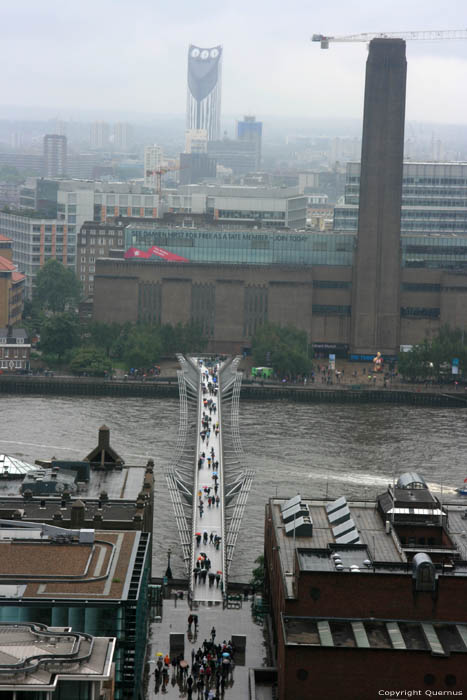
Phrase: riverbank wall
pixel 168 387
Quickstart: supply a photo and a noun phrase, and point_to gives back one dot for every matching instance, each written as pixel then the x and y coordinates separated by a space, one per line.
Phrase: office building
pixel 373 589
pixel 95 240
pixel 240 157
pixel 250 130
pixel 36 240
pixel 196 168
pixel 30 163
pixel 204 90
pixel 152 163
pixel 239 205
pixel 92 581
pixel 434 200
pixel 55 156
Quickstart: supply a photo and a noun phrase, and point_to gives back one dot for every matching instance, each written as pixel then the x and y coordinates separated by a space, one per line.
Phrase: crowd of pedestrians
pixel 209 495
pixel 209 674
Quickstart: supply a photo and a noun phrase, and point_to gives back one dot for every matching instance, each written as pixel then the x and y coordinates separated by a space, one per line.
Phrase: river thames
pixel 312 449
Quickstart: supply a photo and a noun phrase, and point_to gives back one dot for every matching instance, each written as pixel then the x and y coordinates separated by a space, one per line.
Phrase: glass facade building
pixel 245 247
pixel 434 199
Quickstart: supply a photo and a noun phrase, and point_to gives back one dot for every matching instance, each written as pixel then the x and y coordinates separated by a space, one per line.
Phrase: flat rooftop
pixel 35 655
pixel 40 567
pixel 376 550
pixel 437 638
pixel 125 482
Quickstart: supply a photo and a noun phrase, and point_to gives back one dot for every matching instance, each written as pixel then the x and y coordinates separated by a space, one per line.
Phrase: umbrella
pixel 183 664
pixel 203 554
pixel 214 473
pixel 198 534
pixel 159 653
pixel 225 654
pixel 218 572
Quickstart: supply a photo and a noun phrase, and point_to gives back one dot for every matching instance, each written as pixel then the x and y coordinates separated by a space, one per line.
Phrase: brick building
pixel 367 596
pixel 15 350
pixel 11 286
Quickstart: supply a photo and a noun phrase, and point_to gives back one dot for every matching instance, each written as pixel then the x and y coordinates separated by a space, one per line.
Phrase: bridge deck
pixel 211 520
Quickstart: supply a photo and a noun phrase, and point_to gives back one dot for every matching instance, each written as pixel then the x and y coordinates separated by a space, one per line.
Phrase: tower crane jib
pixel 430 35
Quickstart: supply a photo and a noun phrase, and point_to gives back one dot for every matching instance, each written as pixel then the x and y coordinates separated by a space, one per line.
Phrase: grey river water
pixel 312 449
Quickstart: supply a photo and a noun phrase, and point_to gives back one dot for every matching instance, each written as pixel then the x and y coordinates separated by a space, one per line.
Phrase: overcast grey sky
pixel 131 55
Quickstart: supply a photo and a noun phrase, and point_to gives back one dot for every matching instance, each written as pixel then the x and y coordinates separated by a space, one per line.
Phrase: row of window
pixel 6 365
pixel 420 312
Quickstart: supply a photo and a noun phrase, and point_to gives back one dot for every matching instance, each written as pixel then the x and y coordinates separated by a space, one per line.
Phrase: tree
pixel 90 360
pixel 432 359
pixel 143 348
pixel 56 287
pixel 257 580
pixel 59 334
pixel 283 347
pixel 104 335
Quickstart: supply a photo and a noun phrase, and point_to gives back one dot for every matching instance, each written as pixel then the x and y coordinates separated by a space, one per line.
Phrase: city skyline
pixel 62 60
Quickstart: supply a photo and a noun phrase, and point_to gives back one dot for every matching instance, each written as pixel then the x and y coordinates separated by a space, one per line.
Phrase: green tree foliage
pixel 143 347
pixel 432 359
pixel 56 288
pixel 59 334
pixel 91 361
pixel 106 336
pixel 285 346
pixel 257 580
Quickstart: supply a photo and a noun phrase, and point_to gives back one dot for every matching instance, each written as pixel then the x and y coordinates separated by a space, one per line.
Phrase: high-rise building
pixel 122 135
pixel 204 90
pixel 152 162
pixel 196 141
pixel 99 135
pixel 377 263
pixel 55 152
pixel 250 130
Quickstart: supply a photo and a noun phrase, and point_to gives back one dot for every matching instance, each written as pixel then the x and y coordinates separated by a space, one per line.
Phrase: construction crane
pixel 424 35
pixel 159 173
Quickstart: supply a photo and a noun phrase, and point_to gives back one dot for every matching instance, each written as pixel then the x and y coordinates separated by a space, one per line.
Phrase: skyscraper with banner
pixel 204 90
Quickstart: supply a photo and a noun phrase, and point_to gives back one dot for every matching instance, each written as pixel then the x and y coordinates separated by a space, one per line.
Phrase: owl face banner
pixel 203 70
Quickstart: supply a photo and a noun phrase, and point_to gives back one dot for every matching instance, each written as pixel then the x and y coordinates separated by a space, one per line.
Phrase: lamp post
pixel 168 571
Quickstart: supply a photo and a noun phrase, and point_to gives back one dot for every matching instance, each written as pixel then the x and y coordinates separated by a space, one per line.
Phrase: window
pixel 3 339
pixel 120 241
pixel 101 251
pixel 83 258
pixel 82 278
pixel 20 341
pixel 18 364
pixel 91 278
pixel 91 259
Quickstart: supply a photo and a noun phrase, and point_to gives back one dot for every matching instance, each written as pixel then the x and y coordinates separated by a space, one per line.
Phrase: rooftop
pixel 44 564
pixel 10 466
pixel 34 655
pixel 348 537
pixel 437 638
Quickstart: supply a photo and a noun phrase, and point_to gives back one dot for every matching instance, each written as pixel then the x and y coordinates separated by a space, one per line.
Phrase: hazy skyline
pixel 117 55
